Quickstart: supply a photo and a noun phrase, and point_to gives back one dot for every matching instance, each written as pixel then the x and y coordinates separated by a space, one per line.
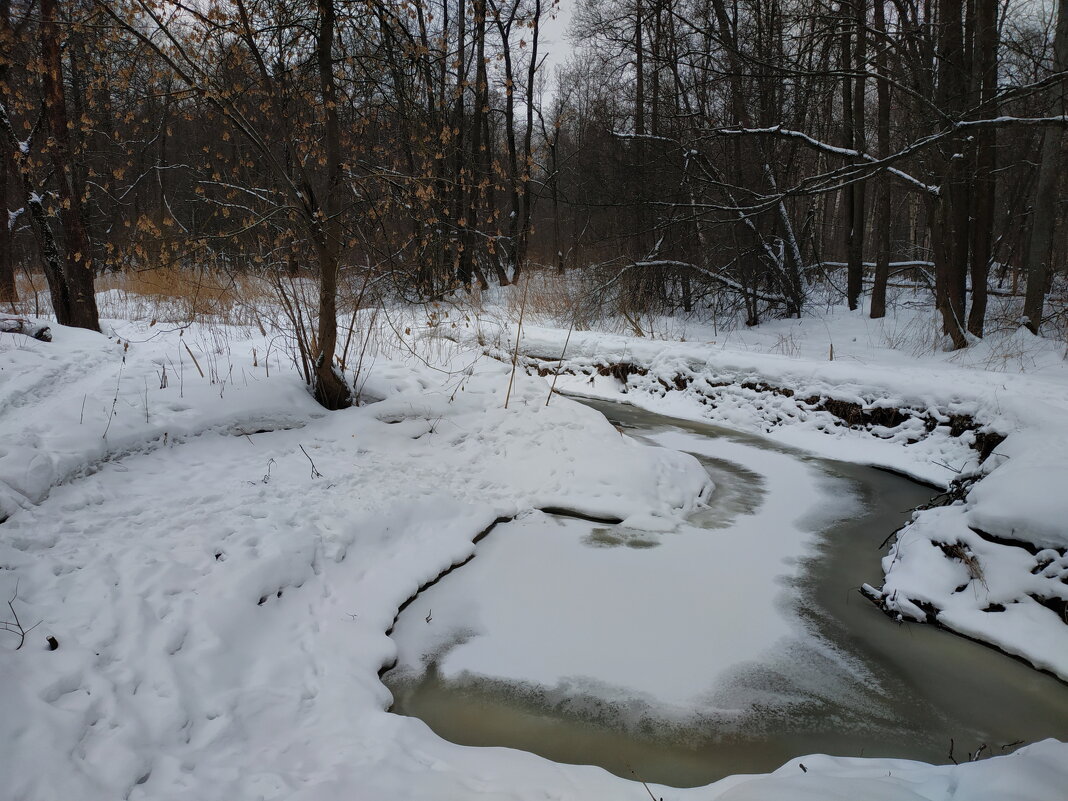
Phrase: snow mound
pixel 1024 498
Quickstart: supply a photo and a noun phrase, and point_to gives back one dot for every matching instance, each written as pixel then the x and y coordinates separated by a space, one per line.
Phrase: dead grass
pixel 33 296
pixel 165 295
pixel 545 294
pixel 579 299
pixel 169 294
pixel 962 553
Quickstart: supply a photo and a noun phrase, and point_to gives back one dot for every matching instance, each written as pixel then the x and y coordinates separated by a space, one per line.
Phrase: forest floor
pixel 206 563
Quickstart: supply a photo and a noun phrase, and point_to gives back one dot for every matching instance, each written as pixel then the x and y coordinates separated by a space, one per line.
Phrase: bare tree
pixel 883 198
pixel 66 257
pixel 80 308
pixel 1043 218
pixel 8 290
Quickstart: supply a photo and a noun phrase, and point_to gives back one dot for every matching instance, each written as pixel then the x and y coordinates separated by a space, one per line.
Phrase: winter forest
pixel 586 399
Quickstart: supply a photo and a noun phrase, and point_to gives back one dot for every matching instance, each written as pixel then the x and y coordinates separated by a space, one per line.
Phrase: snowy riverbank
pixel 218 561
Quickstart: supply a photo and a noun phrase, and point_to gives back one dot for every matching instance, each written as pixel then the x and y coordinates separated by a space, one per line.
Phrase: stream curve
pixel 730 646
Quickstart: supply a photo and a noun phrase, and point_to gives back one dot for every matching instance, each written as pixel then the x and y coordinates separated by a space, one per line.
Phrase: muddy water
pixel 852 683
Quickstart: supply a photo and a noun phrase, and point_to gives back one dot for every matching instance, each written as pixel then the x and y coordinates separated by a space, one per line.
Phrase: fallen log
pixel 13 325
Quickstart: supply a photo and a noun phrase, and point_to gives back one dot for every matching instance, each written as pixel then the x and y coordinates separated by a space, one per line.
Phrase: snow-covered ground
pixel 218 560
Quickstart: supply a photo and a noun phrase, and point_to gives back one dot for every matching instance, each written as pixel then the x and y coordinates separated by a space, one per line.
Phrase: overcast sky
pixel 552 42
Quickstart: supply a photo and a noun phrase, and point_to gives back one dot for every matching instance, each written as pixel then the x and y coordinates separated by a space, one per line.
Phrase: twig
pixel 890 536
pixel 634 773
pixel 115 400
pixel 194 358
pixel 358 371
pixel 15 627
pixel 315 473
pixel 560 366
pixel 518 335
pixel 945 464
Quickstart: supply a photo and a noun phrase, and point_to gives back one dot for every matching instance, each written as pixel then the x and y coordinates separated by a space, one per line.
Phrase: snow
pixel 831 779
pixel 57 401
pixel 1020 502
pixel 675 614
pixel 221 610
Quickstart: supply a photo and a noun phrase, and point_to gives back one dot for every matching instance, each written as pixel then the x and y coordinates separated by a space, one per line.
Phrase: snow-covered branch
pixel 722 279
pixel 870 163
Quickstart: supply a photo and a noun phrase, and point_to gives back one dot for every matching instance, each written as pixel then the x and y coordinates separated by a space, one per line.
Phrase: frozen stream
pixel 727 646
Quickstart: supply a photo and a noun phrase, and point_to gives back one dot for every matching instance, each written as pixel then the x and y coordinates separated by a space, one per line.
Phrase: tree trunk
pixel 330 388
pixel 51 260
pixel 478 167
pixel 850 205
pixel 527 195
pixel 986 69
pixel 42 230
pixel 8 290
pixel 461 256
pixel 951 250
pixel 882 203
pixel 855 270
pixel 511 257
pixel 639 70
pixel 554 190
pixel 1043 217
pixel 78 268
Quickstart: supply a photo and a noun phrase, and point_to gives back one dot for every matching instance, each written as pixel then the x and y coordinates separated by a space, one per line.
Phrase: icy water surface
pixel 729 646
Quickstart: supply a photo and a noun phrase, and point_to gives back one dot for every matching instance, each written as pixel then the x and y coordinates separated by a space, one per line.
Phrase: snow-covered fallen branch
pixel 13 325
